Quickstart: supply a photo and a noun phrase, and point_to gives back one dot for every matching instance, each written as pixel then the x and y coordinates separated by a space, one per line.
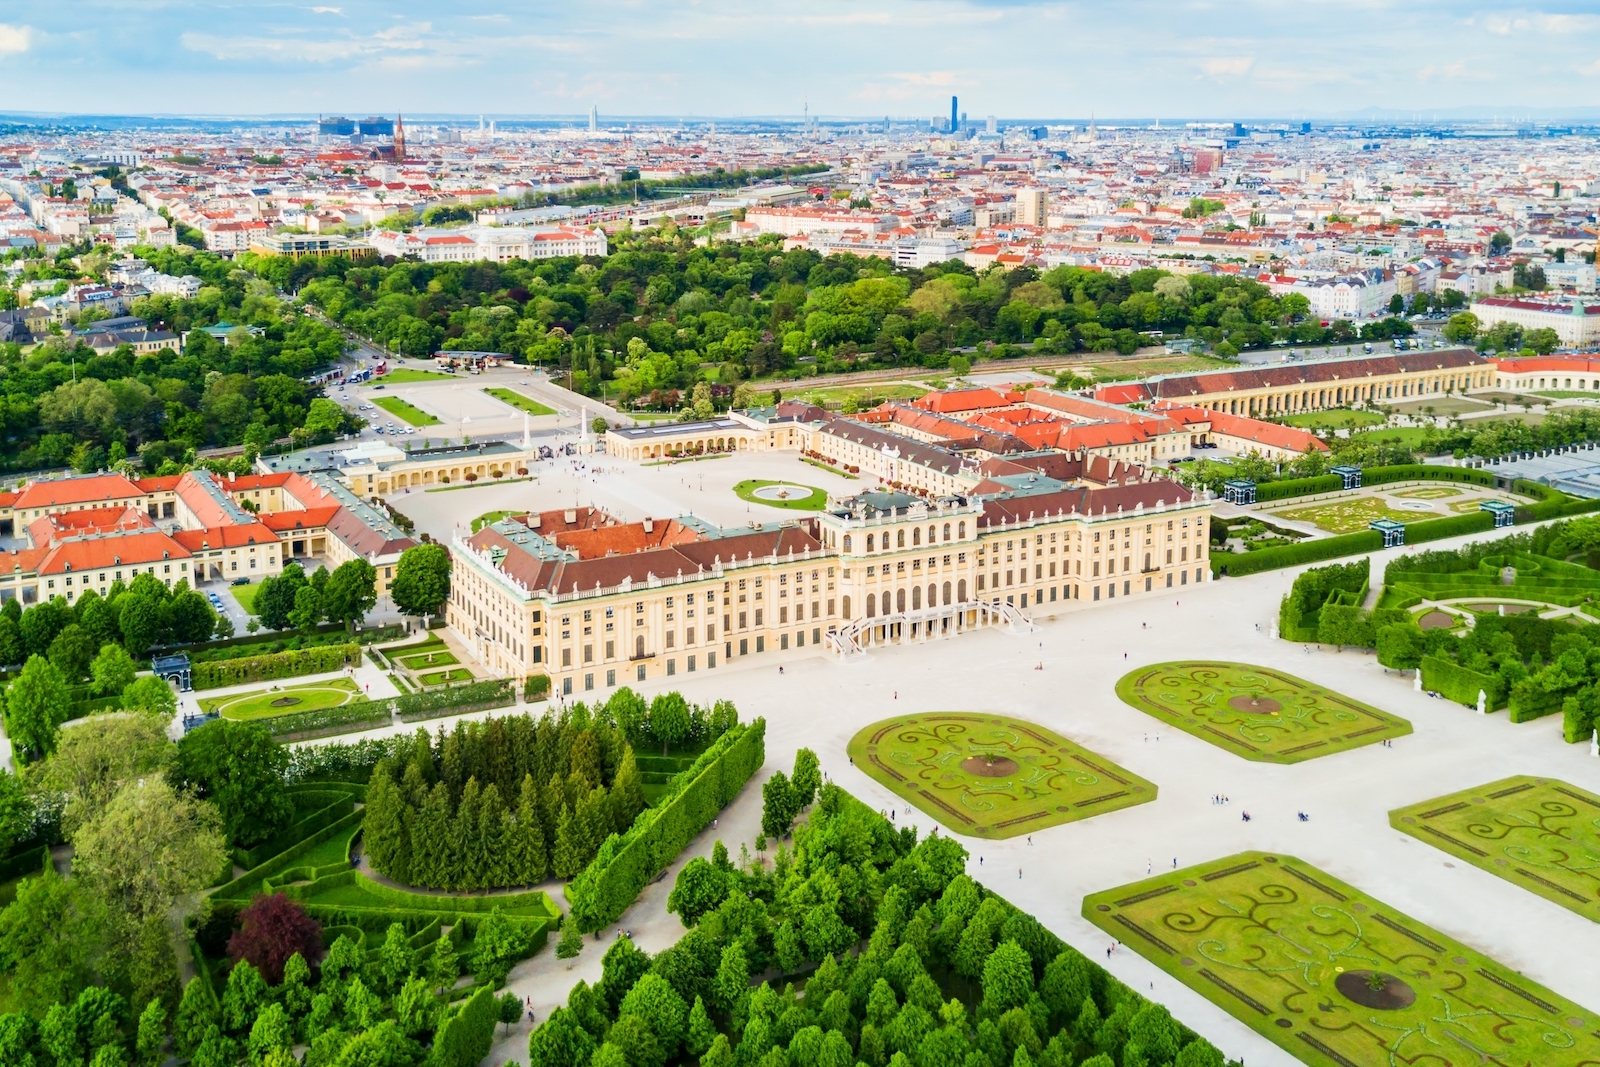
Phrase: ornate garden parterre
pixel 1539 833
pixel 1336 978
pixel 1254 712
pixel 991 776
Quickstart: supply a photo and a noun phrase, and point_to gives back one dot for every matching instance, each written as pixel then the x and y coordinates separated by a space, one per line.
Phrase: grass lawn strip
pixel 520 402
pixel 814 499
pixel 403 375
pixel 1257 713
pixel 1350 516
pixel 1337 978
pixel 402 410
pixel 264 703
pixel 991 776
pixel 1428 492
pixel 440 657
pixel 442 677
pixel 1338 419
pixel 1538 833
pixel 246 596
pixel 489 518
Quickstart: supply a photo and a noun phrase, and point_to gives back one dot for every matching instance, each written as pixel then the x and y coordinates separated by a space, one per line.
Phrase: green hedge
pixel 1425 472
pixel 1529 702
pixel 603 890
pixel 254 880
pixel 464 1039
pixel 1271 559
pixel 1457 683
pixel 1322 483
pixel 338 806
pixel 247 669
pixel 324 722
pixel 28 861
pixel 455 700
pixel 1455 526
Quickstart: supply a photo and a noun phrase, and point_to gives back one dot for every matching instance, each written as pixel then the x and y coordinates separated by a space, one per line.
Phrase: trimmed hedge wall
pixel 455 700
pixel 247 669
pixel 1529 702
pixel 1322 483
pixel 1270 559
pixel 254 880
pixel 28 861
pixel 324 722
pixel 603 890
pixel 1461 685
pixel 464 1039
pixel 338 805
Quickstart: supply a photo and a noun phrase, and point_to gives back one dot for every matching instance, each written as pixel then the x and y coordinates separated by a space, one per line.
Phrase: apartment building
pixel 1575 321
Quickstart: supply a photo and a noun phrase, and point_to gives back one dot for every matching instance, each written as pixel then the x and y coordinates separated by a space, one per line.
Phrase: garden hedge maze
pixel 1260 714
pixel 1538 833
pixel 992 776
pixel 1336 978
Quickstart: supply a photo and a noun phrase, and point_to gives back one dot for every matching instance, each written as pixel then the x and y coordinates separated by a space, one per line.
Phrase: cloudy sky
pixel 1013 58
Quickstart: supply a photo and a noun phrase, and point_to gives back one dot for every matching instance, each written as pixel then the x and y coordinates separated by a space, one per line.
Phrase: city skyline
pixel 889 57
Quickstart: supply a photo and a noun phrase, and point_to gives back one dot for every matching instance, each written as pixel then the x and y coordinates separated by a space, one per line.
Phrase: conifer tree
pixel 701 1031
pixel 567 860
pixel 443 966
pixel 627 793
pixel 535 862
pixel 494 869
pixel 430 838
pixel 466 868
pixel 152 1034
pixel 383 826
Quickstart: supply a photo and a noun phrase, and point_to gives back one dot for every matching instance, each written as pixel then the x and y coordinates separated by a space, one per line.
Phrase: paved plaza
pixel 820 703
pixel 632 491
pixel 1063 676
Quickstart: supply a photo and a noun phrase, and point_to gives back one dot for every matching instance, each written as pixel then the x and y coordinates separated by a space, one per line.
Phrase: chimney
pixel 232 476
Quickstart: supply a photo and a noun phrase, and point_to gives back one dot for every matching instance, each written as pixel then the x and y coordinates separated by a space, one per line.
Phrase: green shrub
pixel 1346 624
pixel 302 725
pixel 247 669
pixel 627 863
pixel 28 861
pixel 1301 606
pixel 1530 700
pixel 339 804
pixel 537 686
pixel 1400 646
pixel 464 1039
pixel 1271 559
pixel 1322 483
pixel 1455 682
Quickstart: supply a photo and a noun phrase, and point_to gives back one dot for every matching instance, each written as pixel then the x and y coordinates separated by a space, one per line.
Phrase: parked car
pixel 240 581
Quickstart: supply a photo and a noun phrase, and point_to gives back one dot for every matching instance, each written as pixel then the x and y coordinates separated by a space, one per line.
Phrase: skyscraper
pixel 594 117
pixel 1033 207
pixel 955 123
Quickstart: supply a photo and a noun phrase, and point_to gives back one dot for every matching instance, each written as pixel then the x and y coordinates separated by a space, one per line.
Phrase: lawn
pixel 405 374
pixel 489 518
pixel 866 394
pixel 1429 492
pixel 1522 417
pixel 402 410
pixel 992 777
pixel 1123 370
pixel 443 677
pixel 1536 833
pixel 285 700
pixel 1440 406
pixel 441 657
pixel 246 596
pixel 520 402
pixel 1336 419
pixel 1405 436
pixel 1336 978
pixel 788 495
pixel 1260 714
pixel 1349 516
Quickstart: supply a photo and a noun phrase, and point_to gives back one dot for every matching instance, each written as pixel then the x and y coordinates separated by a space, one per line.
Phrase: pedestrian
pixel 980 861
pixel 1148 867
pixel 1174 863
pixel 1030 840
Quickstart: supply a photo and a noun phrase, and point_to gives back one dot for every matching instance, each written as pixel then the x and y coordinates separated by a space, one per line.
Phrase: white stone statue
pixel 1416 680
pixel 1483 702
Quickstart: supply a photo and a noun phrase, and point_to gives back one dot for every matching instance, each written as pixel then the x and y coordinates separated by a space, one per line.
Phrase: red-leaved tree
pixel 272 929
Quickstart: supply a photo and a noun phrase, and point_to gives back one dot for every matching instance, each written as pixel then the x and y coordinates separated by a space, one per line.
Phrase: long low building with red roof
pixel 1537 374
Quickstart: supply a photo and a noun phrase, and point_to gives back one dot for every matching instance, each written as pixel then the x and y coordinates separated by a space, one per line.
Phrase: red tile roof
pixel 62 492
pixel 214 537
pixel 299 518
pixel 110 550
pixel 960 400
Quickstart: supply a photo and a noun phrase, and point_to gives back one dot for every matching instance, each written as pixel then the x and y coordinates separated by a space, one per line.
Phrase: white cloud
pixel 14 39
pixel 327 11
pixel 1227 66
